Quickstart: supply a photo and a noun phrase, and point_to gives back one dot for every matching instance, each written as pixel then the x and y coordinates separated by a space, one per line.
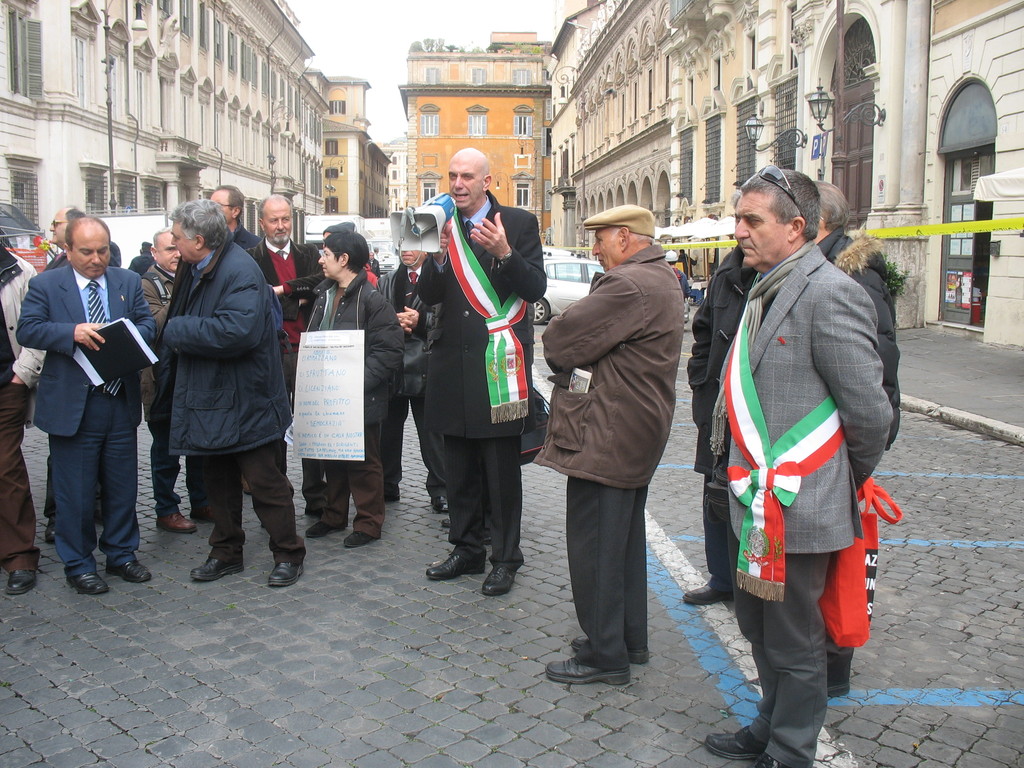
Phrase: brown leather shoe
pixel 203 513
pixel 175 523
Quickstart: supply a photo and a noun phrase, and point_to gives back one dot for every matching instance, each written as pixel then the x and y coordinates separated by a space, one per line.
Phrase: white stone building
pixel 201 92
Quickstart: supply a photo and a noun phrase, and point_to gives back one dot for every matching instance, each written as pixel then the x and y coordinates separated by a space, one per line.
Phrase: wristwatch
pixel 506 257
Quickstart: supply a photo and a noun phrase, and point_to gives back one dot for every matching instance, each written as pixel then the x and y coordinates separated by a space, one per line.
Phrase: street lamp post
pixel 794 137
pixel 108 61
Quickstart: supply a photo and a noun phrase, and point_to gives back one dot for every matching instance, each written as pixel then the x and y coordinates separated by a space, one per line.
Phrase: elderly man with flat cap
pixel 615 355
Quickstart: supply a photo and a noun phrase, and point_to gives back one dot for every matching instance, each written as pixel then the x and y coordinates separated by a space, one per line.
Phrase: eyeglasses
pixel 54 223
pixel 774 175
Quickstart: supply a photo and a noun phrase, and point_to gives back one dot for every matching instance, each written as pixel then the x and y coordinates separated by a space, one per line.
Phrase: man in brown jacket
pixel 608 437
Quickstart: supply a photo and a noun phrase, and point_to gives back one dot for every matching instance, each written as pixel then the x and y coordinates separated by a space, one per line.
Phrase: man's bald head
pixel 469 177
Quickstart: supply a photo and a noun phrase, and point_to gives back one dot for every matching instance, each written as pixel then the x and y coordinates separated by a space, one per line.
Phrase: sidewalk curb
pixel 1000 430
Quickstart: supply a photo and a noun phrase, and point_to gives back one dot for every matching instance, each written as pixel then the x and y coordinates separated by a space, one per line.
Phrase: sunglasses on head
pixel 774 175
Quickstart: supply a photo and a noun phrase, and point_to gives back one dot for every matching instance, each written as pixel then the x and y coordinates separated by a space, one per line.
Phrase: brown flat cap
pixel 638 220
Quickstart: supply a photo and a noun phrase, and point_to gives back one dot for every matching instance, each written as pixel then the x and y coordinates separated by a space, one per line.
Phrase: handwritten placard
pixel 329 396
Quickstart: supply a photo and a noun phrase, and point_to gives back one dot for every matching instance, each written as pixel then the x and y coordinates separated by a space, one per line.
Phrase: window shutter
pixel 34 39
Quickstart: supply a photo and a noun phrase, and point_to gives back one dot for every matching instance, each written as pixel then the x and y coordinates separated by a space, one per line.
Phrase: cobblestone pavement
pixel 366 663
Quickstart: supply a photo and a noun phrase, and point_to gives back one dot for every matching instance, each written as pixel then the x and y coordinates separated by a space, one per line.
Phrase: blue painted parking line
pixel 740 696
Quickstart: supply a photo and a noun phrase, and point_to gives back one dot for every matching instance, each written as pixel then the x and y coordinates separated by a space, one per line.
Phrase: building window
pixel 713 161
pixel 686 164
pixel 786 103
pixel 246 62
pixel 204 27
pixel 218 40
pixel 479 75
pixel 186 18
pixel 478 125
pixel 746 152
pixel 152 197
pixel 429 189
pixel 523 126
pixel 232 52
pixel 95 191
pixel 330 173
pixel 25 55
pixel 126 199
pixel 523 194
pixel 267 79
pixel 331 147
pixel 432 75
pixel 547 195
pixel 430 125
pixel 330 205
pixel 522 77
pixel 650 89
pixel 337 106
pixel 25 193
pixel 80 74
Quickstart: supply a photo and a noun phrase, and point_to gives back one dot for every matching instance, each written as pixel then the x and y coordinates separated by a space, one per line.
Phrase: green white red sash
pixel 773 479
pixel 504 363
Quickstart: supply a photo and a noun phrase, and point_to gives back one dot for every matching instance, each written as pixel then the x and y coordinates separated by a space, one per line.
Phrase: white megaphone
pixel 419 229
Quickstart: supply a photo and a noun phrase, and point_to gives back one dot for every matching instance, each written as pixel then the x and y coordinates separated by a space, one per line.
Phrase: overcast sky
pixel 370 40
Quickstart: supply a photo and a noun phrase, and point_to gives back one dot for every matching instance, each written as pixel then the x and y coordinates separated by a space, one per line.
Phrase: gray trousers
pixel 787 641
pixel 606 541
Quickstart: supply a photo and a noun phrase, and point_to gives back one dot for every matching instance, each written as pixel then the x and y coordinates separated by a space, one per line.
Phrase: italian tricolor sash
pixel 504 364
pixel 773 480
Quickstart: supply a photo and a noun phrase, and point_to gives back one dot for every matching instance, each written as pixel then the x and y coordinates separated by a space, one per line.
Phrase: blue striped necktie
pixel 98 315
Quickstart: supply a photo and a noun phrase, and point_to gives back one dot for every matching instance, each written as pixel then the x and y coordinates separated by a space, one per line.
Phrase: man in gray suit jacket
pixel 803 401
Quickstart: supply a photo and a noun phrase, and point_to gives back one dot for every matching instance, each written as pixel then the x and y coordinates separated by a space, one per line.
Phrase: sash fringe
pixel 517 409
pixel 766 590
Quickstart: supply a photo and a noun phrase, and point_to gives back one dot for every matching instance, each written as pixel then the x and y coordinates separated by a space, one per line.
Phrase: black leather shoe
pixel 455 565
pixel 319 529
pixel 358 539
pixel 439 503
pixel 20 581
pixel 636 655
pixel 706 596
pixel 284 574
pixel 132 571
pixel 392 496
pixel 88 584
pixel 736 746
pixel 213 569
pixel 767 761
pixel 571 671
pixel 314 511
pixel 50 534
pixel 499 581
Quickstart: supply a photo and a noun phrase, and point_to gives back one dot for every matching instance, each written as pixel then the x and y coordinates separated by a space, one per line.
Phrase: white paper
pixel 329 396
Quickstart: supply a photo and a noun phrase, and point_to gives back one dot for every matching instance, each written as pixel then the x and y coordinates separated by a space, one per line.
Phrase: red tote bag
pixel 847 601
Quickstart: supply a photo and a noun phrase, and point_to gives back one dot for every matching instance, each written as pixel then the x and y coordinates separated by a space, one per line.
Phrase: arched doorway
pixel 967 143
pixel 855 144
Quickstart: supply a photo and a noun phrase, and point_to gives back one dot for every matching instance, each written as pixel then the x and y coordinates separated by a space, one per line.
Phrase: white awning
pixel 1007 185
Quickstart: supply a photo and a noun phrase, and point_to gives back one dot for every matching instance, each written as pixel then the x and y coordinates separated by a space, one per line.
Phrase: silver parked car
pixel 568 281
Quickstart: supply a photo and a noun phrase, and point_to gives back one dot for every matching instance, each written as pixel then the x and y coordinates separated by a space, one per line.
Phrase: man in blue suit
pixel 92 428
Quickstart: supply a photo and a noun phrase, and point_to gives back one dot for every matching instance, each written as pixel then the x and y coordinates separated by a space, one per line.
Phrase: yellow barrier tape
pixel 920 230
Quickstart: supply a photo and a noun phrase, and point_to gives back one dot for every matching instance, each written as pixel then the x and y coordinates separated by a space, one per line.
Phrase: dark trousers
pixel 392 437
pixel 716 547
pixel 104 448
pixel 166 467
pixel 18 550
pixel 606 542
pixel 364 481
pixel 271 500
pixel 787 640
pixel 479 468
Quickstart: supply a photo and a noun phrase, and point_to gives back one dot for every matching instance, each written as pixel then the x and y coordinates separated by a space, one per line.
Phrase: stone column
pixel 915 108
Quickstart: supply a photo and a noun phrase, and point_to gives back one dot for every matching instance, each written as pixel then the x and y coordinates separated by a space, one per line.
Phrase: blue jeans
pixel 716 548
pixel 165 473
